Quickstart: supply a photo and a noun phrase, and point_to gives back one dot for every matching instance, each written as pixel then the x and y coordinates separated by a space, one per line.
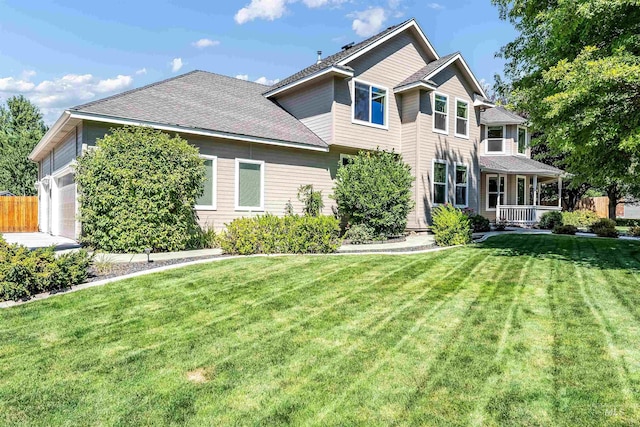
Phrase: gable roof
pixel 516 164
pixel 421 74
pixel 500 116
pixel 338 60
pixel 206 101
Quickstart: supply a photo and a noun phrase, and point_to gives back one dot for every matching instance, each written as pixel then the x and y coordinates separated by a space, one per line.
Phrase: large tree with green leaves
pixel 575 69
pixel 21 127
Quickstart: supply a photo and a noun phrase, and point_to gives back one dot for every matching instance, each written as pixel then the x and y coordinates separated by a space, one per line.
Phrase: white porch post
pixel 535 190
pixel 498 201
pixel 560 192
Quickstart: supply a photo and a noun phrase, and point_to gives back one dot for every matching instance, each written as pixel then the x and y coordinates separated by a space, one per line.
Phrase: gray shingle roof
pixel 332 60
pixel 432 66
pixel 516 164
pixel 208 101
pixel 500 115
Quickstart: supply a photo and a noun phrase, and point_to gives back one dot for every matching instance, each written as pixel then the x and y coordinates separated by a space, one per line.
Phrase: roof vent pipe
pixel 319 57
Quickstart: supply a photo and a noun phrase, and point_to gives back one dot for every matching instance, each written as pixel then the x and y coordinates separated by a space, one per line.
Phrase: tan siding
pixel 448 147
pixel 65 152
pixel 387 66
pixel 312 106
pixel 410 103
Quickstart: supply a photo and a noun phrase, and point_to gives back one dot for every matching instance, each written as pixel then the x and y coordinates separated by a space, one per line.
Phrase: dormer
pixel 503 133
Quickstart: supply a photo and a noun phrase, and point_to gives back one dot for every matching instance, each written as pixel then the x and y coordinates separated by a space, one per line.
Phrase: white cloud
pixel 261 9
pixel 393 4
pixel 112 85
pixel 141 71
pixel 242 76
pixel 369 22
pixel 9 84
pixel 320 3
pixel 435 6
pixel 27 74
pixel 265 81
pixel 202 43
pixel 176 64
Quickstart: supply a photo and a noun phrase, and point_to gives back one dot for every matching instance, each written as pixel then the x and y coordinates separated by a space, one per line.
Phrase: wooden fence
pixel 600 205
pixel 18 214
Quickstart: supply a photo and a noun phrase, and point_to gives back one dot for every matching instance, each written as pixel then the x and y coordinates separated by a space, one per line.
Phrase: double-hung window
pixel 462 185
pixel 440 173
pixel 208 199
pixel 370 104
pixel 522 140
pixel 462 118
pixel 495 190
pixel 249 185
pixel 440 113
pixel 495 139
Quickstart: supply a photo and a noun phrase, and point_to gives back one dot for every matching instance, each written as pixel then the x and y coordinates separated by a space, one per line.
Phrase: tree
pixel 375 189
pixel 575 70
pixel 138 190
pixel 21 127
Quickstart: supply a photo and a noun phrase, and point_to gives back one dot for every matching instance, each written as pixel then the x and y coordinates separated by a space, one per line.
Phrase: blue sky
pixel 62 53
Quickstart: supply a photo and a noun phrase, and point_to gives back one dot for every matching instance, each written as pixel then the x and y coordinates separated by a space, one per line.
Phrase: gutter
pixel 46 139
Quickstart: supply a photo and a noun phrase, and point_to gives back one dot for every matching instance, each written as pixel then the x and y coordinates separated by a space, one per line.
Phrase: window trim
pixel 456 185
pixel 237 186
pixel 491 175
pixel 526 142
pixel 214 193
pixel 486 140
pixel 344 156
pixel 353 105
pixel 446 121
pixel 459 135
pixel 433 181
pixel 526 195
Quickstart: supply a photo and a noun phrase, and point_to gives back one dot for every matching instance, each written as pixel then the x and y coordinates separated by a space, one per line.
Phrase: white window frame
pixel 526 185
pixel 446 121
pixel 433 181
pixel 526 142
pixel 386 105
pixel 486 140
pixel 344 156
pixel 214 166
pixel 456 185
pixel 237 186
pixel 459 135
pixel 492 175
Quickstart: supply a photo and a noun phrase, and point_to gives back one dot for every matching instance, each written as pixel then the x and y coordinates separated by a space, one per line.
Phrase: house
pixel 392 91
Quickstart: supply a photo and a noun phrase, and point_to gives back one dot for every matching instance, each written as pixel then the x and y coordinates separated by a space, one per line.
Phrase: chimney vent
pixel 319 57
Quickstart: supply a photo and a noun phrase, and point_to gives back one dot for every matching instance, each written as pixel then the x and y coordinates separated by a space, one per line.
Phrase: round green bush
pixel 604 227
pixel 634 231
pixel 565 229
pixel 375 189
pixel 550 219
pixel 479 224
pixel 451 226
pixel 579 218
pixel 361 233
pixel 138 190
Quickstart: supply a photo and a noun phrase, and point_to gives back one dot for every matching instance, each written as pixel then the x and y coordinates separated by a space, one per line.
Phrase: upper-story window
pixel 440 113
pixel 370 105
pixel 462 118
pixel 522 140
pixel 495 139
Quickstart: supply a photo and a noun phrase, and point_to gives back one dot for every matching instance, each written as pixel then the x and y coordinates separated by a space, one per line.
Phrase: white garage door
pixel 67 197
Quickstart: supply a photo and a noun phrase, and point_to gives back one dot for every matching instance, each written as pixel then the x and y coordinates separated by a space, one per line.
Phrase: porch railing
pixel 524 215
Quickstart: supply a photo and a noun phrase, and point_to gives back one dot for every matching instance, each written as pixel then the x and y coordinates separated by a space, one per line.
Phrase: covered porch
pixel 512 186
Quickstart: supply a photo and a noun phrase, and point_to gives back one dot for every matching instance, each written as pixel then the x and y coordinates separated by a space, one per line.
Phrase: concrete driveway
pixel 40 240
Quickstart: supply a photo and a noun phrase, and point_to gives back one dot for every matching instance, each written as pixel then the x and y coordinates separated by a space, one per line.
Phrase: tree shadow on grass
pixel 601 253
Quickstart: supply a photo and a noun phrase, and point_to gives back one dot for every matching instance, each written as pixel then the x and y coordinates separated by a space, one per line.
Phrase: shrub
pixel 208 238
pixel 565 229
pixel 138 190
pixel 500 225
pixel 550 219
pixel 604 227
pixel 627 222
pixel 375 189
pixel 479 224
pixel 580 218
pixel 634 231
pixel 269 234
pixel 451 226
pixel 361 233
pixel 24 273
pixel 311 199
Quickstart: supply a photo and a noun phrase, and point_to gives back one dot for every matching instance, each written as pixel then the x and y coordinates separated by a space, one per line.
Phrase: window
pixel 522 189
pixel 370 104
pixel 495 136
pixel 208 198
pixel 522 140
pixel 345 159
pixel 440 113
pixel 440 172
pixel 249 185
pixel 462 118
pixel 461 185
pixel 493 191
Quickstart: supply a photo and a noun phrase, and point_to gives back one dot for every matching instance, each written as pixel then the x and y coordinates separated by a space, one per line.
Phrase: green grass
pixel 521 330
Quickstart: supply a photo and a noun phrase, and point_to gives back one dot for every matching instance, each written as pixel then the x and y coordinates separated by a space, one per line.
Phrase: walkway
pixel 40 240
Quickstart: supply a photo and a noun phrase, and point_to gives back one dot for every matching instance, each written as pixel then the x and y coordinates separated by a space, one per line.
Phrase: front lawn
pixel 521 330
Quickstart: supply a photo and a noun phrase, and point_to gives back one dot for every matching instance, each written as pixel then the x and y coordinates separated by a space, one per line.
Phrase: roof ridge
pixel 232 78
pixel 127 92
